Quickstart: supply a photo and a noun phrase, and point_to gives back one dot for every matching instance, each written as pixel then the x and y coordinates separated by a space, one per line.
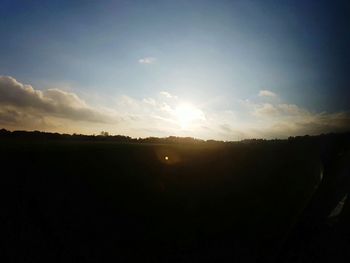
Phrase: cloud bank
pixel 24 107
pixel 21 104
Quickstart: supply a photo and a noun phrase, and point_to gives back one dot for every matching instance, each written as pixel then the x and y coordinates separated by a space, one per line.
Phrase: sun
pixel 187 114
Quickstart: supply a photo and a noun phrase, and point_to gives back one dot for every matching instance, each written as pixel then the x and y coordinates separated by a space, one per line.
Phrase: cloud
pixel 147 60
pixel 283 120
pixel 24 107
pixel 268 110
pixel 165 94
pixel 292 109
pixel 311 124
pixel 265 109
pixel 159 116
pixel 267 93
pixel 168 95
pixel 20 102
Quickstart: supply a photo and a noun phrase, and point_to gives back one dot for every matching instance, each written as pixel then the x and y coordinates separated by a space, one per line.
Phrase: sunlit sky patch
pixel 208 69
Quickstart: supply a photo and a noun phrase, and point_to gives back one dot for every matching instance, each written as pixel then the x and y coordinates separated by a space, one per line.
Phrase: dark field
pixel 83 200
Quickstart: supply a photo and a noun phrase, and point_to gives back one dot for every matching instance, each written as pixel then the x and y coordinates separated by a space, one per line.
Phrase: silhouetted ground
pixel 93 199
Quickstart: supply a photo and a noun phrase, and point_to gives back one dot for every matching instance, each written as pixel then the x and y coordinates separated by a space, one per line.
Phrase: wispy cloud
pixel 165 94
pixel 147 60
pixel 267 93
pixel 168 95
pixel 265 109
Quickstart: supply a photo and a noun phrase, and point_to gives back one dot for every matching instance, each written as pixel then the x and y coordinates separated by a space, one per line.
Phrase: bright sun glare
pixel 187 114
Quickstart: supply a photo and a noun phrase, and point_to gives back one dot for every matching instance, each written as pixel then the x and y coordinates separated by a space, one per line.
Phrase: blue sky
pixel 216 56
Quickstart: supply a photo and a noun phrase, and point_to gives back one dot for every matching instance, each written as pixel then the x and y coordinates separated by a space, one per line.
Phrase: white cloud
pixel 168 95
pixel 267 93
pixel 147 60
pixel 149 101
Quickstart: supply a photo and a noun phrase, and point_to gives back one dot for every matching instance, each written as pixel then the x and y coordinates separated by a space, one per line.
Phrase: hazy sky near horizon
pixel 209 69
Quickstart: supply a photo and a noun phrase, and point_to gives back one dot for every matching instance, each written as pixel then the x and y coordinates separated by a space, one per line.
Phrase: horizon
pixel 222 70
pixel 106 134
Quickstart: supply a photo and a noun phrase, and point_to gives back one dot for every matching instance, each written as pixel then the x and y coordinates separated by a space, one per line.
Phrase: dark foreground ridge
pixel 104 136
pixel 76 198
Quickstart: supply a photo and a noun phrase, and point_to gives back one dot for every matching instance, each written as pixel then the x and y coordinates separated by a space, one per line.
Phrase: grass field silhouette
pixel 83 198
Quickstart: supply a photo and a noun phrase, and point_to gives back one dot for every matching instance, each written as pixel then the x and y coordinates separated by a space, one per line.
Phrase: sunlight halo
pixel 187 115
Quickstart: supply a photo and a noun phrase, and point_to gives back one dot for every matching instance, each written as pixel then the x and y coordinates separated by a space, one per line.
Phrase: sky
pixel 225 70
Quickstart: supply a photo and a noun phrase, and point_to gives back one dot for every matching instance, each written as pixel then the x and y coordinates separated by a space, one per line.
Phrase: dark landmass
pixel 76 198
